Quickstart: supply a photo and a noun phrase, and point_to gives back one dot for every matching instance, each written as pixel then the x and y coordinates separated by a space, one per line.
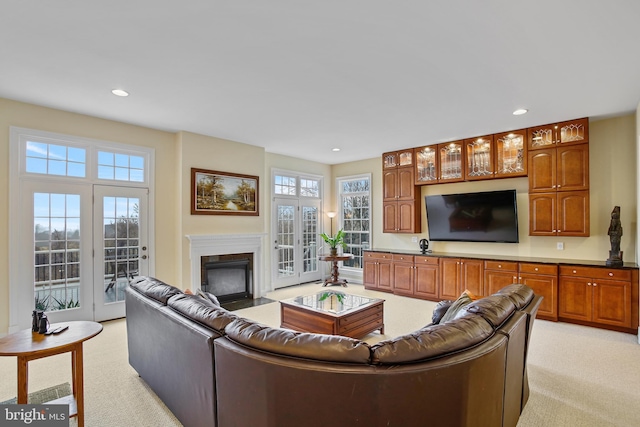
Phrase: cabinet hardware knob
pixel 499 265
pixel 574 272
pixel 536 269
pixel 514 277
pixel 595 284
pixel 611 274
pixel 588 283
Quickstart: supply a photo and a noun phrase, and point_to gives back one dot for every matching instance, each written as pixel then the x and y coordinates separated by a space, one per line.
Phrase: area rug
pixel 41 396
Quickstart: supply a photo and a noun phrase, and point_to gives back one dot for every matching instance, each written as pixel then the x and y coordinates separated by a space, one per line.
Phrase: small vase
pixel 333 251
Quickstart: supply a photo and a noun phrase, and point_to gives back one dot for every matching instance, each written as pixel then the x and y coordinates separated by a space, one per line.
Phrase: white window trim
pixel 298 176
pixel 18 137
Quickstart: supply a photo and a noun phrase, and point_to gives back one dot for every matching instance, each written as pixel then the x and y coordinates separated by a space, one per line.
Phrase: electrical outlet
pixel 560 246
pixel 414 239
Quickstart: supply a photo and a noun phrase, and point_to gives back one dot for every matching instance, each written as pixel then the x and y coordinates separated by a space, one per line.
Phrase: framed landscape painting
pixel 223 193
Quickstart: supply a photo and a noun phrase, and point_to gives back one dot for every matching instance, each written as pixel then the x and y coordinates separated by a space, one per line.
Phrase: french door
pixel 80 247
pixel 120 243
pixel 295 230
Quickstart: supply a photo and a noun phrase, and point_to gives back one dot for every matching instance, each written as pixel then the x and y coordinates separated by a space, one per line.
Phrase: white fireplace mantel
pixel 225 244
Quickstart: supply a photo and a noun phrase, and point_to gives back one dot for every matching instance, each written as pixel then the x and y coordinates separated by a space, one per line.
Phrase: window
pixel 285 185
pixel 52 159
pixel 120 167
pixel 355 209
pixel 296 186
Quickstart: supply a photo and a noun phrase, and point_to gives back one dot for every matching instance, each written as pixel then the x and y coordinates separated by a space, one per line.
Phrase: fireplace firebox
pixel 228 279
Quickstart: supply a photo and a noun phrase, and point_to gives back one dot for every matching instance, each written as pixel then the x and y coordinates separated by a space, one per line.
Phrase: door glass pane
pixel 285 240
pixel 309 238
pixel 121 219
pixel 56 223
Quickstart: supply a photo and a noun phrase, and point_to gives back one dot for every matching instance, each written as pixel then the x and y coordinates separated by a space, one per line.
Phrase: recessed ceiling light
pixel 335 149
pixel 120 92
pixel 520 112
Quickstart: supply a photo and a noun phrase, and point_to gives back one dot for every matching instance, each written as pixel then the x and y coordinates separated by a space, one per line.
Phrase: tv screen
pixel 490 216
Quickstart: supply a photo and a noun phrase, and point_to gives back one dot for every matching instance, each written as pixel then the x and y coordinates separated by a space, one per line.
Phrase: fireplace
pixel 229 247
pixel 228 277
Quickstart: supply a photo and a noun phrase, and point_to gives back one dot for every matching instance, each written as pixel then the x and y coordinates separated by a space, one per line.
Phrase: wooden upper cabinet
pixel 451 161
pixel 397 159
pixel 556 134
pixel 542 170
pixel 426 159
pixel 572 167
pixel 479 158
pixel 511 153
pixel 573 213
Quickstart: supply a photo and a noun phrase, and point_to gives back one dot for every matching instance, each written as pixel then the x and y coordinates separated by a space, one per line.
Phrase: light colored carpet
pixel 579 376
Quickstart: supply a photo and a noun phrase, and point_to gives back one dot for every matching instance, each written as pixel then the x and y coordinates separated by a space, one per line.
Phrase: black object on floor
pixel 245 303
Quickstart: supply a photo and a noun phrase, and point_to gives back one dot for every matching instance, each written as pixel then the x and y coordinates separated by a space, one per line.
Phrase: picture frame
pixel 223 193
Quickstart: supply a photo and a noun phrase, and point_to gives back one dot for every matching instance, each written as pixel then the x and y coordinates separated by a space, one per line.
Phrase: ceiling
pixel 301 77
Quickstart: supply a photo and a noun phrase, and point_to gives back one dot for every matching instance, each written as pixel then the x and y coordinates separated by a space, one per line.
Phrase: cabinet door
pixel 541 137
pixel 390 160
pixel 449 278
pixel 390 184
pixel 407 217
pixel 511 153
pixel 496 280
pixel 403 278
pixel 573 213
pixel 389 217
pixel 573 132
pixel 451 161
pixel 573 168
pixel 426 165
pixel 385 278
pixel 405 158
pixel 472 272
pixel 479 158
pixel 576 297
pixel 542 170
pixel 426 281
pixel 547 286
pixel 370 271
pixel 406 188
pixel 542 214
pixel 612 302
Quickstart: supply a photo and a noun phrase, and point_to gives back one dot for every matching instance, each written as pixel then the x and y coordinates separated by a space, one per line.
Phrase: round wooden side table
pixel 28 346
pixel 334 259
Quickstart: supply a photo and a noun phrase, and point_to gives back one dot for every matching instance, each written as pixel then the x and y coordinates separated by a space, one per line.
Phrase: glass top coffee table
pixel 333 313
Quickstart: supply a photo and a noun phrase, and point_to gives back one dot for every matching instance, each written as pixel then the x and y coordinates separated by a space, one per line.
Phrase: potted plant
pixel 335 241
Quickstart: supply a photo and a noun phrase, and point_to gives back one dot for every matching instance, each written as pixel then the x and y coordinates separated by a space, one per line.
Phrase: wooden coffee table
pixel 28 346
pixel 333 313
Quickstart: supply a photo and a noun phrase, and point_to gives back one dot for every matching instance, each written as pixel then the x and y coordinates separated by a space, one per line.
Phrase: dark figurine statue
pixel 615 235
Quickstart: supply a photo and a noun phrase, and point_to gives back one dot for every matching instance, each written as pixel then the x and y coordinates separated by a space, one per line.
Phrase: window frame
pixel 340 204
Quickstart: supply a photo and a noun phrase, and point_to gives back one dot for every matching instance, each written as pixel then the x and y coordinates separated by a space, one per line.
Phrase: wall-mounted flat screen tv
pixel 490 216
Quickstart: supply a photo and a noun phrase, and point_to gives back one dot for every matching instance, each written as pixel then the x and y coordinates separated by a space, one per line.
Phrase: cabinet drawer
pixel 402 258
pixel 538 268
pixel 377 255
pixel 364 316
pixel 423 260
pixel 501 265
pixel 595 273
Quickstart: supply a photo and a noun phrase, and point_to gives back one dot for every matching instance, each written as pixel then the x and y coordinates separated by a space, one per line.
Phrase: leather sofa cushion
pixel 495 309
pixel 202 311
pixel 455 308
pixel 154 288
pixel 433 341
pixel 520 294
pixel 440 310
pixel 329 348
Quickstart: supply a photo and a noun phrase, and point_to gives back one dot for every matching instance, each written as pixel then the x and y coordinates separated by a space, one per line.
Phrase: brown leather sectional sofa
pixel 211 367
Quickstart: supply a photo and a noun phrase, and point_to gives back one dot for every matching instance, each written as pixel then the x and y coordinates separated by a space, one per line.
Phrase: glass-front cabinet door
pixel 511 154
pixel 479 158
pixel 564 133
pixel 451 161
pixel 426 165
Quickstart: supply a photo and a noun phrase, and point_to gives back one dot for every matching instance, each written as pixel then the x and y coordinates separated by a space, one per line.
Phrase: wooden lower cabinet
pixel 596 295
pixel 460 274
pixel 542 278
pixel 377 271
pixel 403 274
pixel 426 277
